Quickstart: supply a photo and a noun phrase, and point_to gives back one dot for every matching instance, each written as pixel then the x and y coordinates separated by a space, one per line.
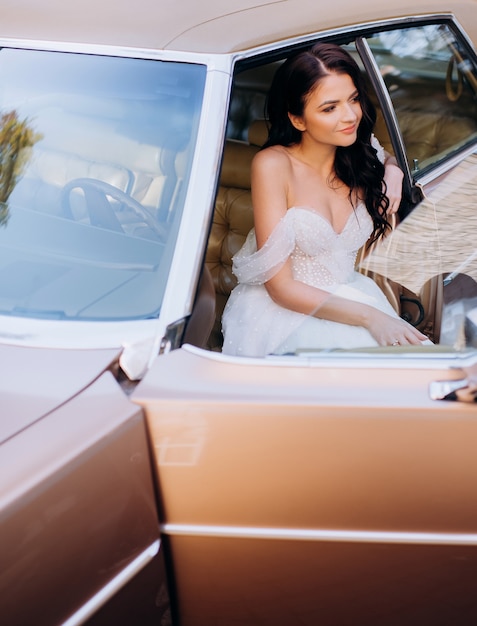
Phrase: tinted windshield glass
pixel 94 159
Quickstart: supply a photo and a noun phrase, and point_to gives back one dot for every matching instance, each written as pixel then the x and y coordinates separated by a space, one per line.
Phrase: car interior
pixel 434 124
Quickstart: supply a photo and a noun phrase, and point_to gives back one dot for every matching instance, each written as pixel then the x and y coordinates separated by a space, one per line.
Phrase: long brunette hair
pixel 357 165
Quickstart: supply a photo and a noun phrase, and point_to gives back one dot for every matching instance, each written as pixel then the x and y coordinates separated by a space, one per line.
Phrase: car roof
pixel 206 26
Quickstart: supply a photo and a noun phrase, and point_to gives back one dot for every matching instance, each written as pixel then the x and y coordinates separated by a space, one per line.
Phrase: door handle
pixel 462 390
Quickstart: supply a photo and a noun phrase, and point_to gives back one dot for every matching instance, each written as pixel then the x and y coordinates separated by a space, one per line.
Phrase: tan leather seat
pixel 233 218
pixel 427 135
pixel 202 318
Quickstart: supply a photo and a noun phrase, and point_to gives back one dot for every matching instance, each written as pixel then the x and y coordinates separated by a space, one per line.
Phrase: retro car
pixel 149 478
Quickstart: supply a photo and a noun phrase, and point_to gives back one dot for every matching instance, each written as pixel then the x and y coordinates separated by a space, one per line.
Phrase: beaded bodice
pixel 320 256
pixel 323 257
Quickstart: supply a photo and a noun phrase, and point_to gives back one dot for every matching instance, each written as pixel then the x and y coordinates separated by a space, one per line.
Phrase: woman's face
pixel 332 112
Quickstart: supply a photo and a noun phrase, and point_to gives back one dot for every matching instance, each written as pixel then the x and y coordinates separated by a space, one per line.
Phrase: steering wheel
pixel 100 211
pixel 453 93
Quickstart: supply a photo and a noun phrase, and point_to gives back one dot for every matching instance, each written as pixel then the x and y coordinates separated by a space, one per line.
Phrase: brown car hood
pixel 35 381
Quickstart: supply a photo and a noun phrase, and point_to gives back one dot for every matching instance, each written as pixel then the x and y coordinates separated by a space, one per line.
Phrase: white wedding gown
pixel 254 325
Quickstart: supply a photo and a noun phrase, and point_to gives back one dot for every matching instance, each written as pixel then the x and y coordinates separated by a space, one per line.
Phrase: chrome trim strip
pixel 447 165
pixel 387 106
pixel 155 54
pixel 189 248
pixel 360 27
pixel 299 534
pixel 113 586
pixel 435 359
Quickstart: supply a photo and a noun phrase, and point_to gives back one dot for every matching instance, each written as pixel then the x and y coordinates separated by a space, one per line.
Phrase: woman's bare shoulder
pixel 273 156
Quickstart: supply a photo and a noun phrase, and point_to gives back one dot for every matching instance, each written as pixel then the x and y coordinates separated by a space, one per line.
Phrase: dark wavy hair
pixel 357 165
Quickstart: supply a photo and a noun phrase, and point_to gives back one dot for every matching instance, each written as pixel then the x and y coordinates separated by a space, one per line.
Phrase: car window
pixel 432 83
pixel 427 266
pixel 95 154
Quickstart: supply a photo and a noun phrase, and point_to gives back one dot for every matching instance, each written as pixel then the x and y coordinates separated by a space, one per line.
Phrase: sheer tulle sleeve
pixel 378 147
pixel 255 267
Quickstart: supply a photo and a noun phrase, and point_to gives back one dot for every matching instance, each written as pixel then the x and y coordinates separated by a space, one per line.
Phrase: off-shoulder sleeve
pixel 255 267
pixel 378 147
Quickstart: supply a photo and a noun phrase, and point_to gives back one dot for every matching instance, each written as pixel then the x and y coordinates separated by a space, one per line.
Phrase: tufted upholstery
pixel 427 134
pixel 233 218
pixel 202 318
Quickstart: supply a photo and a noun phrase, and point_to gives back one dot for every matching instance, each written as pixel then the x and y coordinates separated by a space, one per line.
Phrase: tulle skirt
pixel 254 325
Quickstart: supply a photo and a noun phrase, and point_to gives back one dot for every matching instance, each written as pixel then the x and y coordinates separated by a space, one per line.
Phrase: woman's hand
pixel 392 331
pixel 393 177
pixel 387 330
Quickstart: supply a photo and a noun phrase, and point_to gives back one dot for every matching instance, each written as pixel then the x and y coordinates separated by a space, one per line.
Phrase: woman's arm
pixel 297 296
pixel 270 172
pixel 393 177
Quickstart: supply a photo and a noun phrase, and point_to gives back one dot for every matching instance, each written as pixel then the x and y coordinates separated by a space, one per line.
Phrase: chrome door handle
pixel 462 390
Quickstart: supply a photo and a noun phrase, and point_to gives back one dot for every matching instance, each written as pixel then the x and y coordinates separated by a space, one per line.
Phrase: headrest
pixel 236 164
pixel 258 132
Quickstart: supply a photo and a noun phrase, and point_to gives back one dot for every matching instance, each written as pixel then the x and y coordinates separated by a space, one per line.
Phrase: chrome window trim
pixel 189 248
pixel 353 30
pixel 446 165
pixel 369 62
pixel 113 586
pixel 320 535
pixel 424 360
pixel 111 50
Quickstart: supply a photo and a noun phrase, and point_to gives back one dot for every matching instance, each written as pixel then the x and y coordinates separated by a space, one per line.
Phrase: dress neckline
pixel 310 209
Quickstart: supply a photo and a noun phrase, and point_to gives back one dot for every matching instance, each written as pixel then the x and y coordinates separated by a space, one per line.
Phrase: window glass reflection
pixel 94 158
pixel 432 84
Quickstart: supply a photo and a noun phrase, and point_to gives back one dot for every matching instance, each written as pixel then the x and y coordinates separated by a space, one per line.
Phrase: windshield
pixel 95 153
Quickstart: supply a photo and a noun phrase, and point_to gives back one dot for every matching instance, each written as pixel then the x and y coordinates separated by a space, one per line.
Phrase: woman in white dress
pixel 322 186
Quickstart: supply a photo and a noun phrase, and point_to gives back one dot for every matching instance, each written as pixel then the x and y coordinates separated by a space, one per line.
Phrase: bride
pixel 322 186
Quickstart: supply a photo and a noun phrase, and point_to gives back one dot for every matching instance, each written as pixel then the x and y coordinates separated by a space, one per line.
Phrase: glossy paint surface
pixel 48 379
pixel 287 465
pixel 77 505
pixel 206 27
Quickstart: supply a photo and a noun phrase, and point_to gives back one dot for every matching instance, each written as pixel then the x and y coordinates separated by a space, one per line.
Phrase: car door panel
pixel 297 462
pixel 78 513
pixel 269 583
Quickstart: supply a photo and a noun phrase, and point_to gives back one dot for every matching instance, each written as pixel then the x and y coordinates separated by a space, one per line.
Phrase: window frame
pixel 412 187
pixel 413 181
pixel 412 193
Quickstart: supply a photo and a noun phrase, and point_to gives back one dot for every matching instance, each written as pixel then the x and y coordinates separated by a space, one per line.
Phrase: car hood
pixel 35 381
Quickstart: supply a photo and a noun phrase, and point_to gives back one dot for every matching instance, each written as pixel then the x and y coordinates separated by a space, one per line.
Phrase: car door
pixel 425 78
pixel 337 487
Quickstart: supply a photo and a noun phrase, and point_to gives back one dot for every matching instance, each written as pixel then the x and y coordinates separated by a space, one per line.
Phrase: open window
pixel 422 82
